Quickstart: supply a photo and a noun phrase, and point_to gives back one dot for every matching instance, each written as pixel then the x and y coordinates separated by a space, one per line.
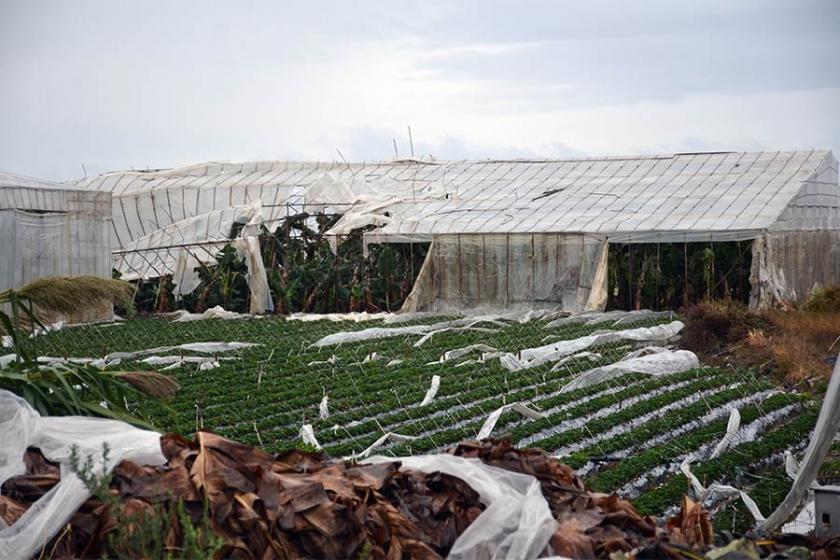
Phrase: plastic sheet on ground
pixel 201 347
pixel 324 408
pixel 375 333
pixel 307 434
pixel 661 363
pixel 389 436
pixel 490 423
pixel 616 317
pixel 517 522
pixel 731 430
pixel 217 312
pixel 22 427
pixel 433 389
pixel 828 422
pixel 461 352
pixel 531 357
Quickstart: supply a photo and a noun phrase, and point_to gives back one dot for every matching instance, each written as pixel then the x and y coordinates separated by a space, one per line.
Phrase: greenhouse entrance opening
pixel 663 276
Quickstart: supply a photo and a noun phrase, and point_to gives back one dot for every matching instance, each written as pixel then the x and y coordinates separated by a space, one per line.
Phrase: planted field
pixel 628 433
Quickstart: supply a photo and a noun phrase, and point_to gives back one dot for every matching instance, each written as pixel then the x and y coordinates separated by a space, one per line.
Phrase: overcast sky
pixel 114 84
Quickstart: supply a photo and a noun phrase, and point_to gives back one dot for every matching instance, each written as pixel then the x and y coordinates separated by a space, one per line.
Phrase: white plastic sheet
pixel 201 347
pixel 731 430
pixel 531 357
pixel 217 312
pixel 389 436
pixel 307 434
pixel 461 352
pixel 324 408
pixel 375 333
pixel 433 389
pixel 659 364
pixel 55 436
pixel 517 522
pixel 490 423
pixel 824 432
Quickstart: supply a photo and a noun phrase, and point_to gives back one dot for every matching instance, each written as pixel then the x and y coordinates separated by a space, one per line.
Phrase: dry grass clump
pixel 68 294
pixel 151 383
pixel 823 300
pixel 711 326
pixel 796 345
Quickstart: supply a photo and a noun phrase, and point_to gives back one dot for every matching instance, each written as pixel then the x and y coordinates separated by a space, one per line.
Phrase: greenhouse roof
pixel 690 194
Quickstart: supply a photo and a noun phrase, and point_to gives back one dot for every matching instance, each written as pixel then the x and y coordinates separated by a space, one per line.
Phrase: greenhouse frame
pixel 502 233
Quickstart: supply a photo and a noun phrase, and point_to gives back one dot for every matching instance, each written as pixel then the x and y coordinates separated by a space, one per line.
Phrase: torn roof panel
pixel 692 192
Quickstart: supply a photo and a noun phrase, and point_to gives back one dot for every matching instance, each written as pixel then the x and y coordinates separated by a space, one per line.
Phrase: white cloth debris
pixel 493 418
pixel 731 430
pixel 323 408
pixel 715 491
pixel 825 431
pixel 375 333
pixel 430 394
pixel 218 312
pixel 460 352
pixel 390 436
pixel 307 434
pixel 22 427
pixel 592 356
pixel 201 347
pixel 531 357
pixel 517 522
pixel 659 364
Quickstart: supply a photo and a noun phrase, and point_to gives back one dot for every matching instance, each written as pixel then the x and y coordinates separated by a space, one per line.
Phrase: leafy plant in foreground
pixel 70 388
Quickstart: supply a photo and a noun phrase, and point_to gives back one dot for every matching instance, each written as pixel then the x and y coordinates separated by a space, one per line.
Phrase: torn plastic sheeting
pixel 202 347
pixel 592 356
pixel 323 408
pixel 791 465
pixel 531 357
pixel 22 427
pixel 209 365
pixel 332 360
pixel 375 333
pixel 164 360
pixel 387 318
pixel 517 522
pixel 617 317
pixel 598 296
pixel 143 257
pixel 307 434
pixel 825 431
pixel 370 334
pixel 217 312
pixel 460 352
pixel 389 436
pixel 428 336
pixel 493 418
pixel 715 490
pixel 249 249
pixel 644 351
pixel 731 430
pixel 430 394
pixel 659 364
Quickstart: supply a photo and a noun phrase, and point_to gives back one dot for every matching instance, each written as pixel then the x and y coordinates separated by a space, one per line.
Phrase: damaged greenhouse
pixel 654 232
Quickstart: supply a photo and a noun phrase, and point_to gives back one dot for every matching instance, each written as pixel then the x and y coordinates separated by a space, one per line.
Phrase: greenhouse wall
pixel 787 266
pixel 508 270
pixel 53 233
